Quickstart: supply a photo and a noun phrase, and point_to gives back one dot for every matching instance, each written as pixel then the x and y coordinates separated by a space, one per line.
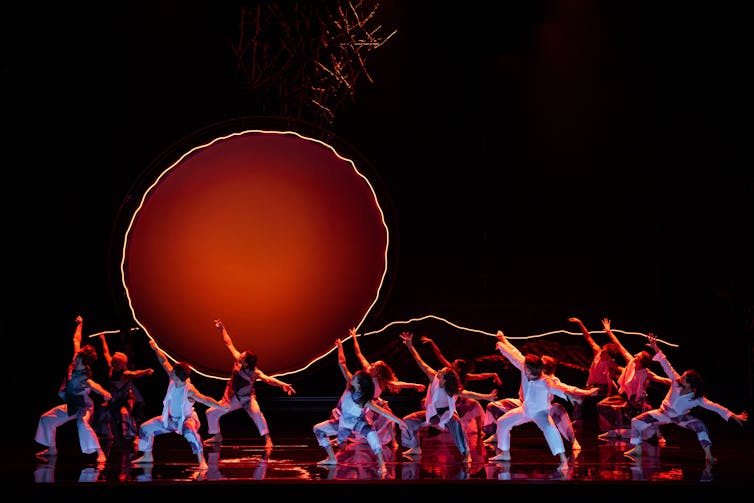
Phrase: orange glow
pixel 274 233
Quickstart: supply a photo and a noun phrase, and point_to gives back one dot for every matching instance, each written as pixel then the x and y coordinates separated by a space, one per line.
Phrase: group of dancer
pixel 362 414
pixel 178 412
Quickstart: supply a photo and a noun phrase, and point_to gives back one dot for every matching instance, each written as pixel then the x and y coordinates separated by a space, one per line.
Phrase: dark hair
pixel 452 381
pixel 88 354
pixel 250 358
pixel 533 364
pixel 696 382
pixel 462 367
pixel 612 350
pixel 645 359
pixel 384 375
pixel 366 387
pixel 182 370
pixel 549 364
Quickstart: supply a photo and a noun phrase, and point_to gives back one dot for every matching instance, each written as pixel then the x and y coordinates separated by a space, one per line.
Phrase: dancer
pixel 178 414
pixel 615 412
pixel 558 412
pixel 469 410
pixel 115 418
pixel 384 380
pixel 536 391
pixel 355 402
pixel 439 406
pixel 78 405
pixel 240 393
pixel 603 375
pixel 685 393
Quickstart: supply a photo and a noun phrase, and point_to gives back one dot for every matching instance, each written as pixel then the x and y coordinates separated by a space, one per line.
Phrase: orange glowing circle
pixel 272 232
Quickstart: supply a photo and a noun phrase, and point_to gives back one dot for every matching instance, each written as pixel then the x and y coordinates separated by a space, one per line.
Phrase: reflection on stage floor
pixel 294 461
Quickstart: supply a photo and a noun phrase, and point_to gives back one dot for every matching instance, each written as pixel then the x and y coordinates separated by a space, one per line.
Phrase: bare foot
pixel 503 456
pixel 381 470
pixel 203 465
pixel 50 451
pixel 143 460
pixel 634 452
pixel 268 443
pixel 101 458
pixel 328 461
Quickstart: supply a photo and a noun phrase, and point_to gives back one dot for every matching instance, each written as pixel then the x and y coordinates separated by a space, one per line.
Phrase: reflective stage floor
pixel 242 463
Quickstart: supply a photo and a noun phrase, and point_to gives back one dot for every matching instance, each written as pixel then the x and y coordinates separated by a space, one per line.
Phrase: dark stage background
pixel 537 160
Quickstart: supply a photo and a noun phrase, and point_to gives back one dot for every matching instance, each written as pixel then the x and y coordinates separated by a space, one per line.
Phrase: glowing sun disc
pixel 272 232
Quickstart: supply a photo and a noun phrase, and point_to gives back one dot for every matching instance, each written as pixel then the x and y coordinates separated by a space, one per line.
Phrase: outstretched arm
pixel 357 349
pixel 481 376
pixel 489 397
pixel 161 357
pixel 99 390
pixel 275 382
pixel 227 340
pixel 386 413
pixel 595 347
pixel 77 335
pixel 408 340
pixel 138 373
pixel 623 351
pixel 436 350
pixel 401 385
pixel 204 399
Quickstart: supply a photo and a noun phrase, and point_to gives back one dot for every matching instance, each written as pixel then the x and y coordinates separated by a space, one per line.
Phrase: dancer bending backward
pixel 685 393
pixel 355 402
pixel 384 380
pixel 536 391
pixel 603 374
pixel 439 406
pixel 558 412
pixel 115 418
pixel 78 404
pixel 632 398
pixel 178 414
pixel 239 391
pixel 469 410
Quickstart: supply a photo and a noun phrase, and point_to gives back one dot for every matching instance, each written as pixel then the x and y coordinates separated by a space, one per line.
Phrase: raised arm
pixel 444 361
pixel 227 340
pixel 660 357
pixel 509 351
pixel 161 357
pixel 595 347
pixel 342 361
pixel 77 335
pixel 408 340
pixel 623 351
pixel 275 382
pixel 105 349
pixel 357 349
